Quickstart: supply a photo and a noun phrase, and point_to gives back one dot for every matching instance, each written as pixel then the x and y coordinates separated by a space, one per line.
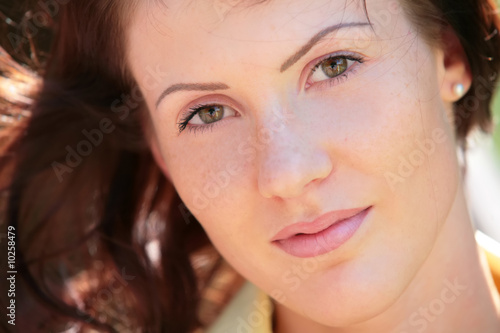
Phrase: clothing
pixel 250 311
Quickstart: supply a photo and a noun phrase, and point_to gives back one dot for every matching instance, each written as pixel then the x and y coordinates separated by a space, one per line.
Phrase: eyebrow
pixel 316 39
pixel 191 87
pixel 211 86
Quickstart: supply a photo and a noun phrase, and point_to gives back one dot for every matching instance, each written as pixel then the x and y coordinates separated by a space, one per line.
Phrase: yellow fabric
pixel 491 249
pixel 250 311
pixel 494 263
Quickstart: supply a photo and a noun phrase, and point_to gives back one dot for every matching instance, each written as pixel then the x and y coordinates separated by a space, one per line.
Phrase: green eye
pixel 211 114
pixel 204 116
pixel 334 66
pixel 332 69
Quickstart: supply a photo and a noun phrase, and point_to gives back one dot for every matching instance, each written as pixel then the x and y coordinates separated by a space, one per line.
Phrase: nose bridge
pixel 291 157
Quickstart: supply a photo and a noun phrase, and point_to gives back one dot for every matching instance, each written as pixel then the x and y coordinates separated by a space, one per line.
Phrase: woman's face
pixel 292 109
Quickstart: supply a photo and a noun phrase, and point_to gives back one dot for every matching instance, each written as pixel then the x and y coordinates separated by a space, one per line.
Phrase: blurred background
pixel 483 177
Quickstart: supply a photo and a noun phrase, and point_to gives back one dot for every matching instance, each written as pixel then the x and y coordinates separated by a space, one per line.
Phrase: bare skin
pixel 294 142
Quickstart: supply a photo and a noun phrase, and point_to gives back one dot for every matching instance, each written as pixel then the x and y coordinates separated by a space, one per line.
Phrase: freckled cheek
pixel 414 153
pixel 213 176
pixel 396 127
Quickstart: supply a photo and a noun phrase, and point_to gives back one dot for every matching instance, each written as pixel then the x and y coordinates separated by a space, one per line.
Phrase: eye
pixel 332 67
pixel 209 114
pixel 205 115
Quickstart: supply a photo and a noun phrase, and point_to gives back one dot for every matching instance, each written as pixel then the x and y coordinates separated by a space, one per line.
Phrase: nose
pixel 290 162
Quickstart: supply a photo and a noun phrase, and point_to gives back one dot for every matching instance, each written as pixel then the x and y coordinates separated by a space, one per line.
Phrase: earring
pixel 459 89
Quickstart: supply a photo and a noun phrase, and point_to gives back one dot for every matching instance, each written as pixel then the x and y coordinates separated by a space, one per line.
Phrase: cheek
pixel 212 176
pixel 415 150
pixel 397 135
pixel 203 176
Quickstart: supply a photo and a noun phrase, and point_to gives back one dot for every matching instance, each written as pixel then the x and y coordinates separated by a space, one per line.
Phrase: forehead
pixel 193 40
pixel 190 25
pixel 250 20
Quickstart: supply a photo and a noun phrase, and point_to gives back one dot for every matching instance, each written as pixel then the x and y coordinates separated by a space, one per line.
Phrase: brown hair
pixel 85 197
pixel 476 24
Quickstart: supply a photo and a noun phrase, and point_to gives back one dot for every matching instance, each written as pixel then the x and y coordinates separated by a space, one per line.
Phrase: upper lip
pixel 319 224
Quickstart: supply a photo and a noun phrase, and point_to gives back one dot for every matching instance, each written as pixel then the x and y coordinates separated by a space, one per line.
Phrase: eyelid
pixel 212 99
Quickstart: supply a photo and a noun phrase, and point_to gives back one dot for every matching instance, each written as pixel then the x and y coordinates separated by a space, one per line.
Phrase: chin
pixel 357 291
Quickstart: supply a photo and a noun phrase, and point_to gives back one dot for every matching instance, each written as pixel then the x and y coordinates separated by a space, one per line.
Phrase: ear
pixel 158 157
pixel 455 67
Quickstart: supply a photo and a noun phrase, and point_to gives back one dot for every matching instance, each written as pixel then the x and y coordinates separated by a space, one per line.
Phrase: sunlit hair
pixel 85 224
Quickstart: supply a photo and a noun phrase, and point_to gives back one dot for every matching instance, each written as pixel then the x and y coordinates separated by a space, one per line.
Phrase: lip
pixel 323 235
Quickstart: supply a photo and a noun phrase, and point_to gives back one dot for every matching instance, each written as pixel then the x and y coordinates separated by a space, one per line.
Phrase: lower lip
pixel 311 245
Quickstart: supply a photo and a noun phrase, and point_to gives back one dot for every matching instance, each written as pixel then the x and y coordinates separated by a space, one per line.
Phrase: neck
pixel 452 292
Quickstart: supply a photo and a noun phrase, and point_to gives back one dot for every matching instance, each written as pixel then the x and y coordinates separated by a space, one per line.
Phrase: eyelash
pixel 183 124
pixel 193 111
pixel 340 78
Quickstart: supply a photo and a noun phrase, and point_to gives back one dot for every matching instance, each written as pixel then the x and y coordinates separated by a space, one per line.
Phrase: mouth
pixel 323 235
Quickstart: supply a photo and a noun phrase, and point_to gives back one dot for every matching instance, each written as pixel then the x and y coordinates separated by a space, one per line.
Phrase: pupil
pixel 334 67
pixel 211 114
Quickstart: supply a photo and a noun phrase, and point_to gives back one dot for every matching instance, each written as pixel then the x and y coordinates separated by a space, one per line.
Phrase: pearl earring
pixel 459 89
